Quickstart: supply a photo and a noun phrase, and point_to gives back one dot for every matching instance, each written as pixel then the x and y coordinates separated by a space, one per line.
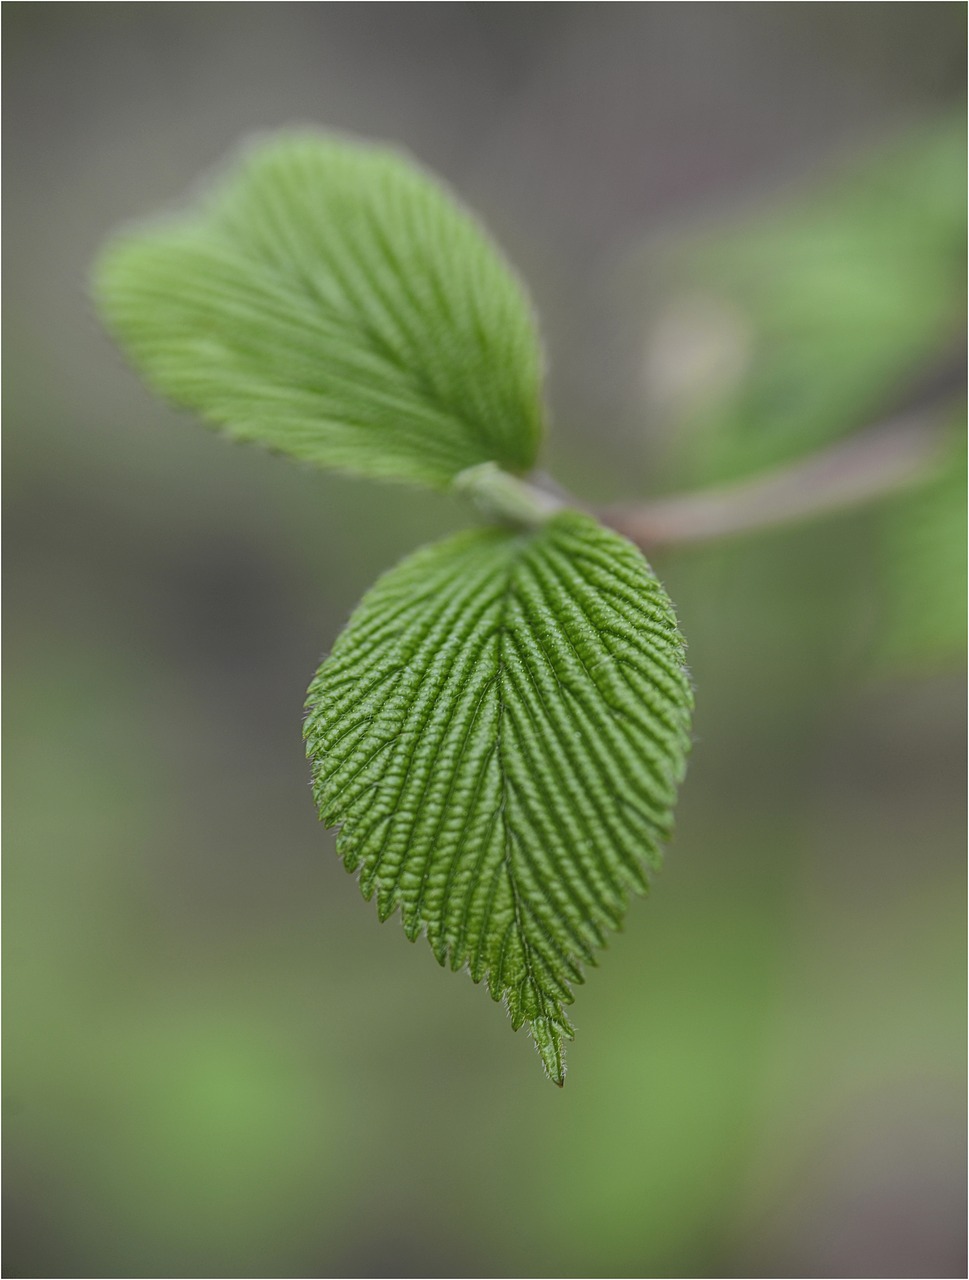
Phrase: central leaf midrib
pixel 513 564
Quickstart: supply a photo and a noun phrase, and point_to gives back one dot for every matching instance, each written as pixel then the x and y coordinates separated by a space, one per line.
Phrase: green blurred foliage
pixel 797 325
pixel 831 303
pixel 924 567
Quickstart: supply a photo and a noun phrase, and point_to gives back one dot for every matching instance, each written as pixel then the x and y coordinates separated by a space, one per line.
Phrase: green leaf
pixel 499 734
pixel 333 302
pixel 923 569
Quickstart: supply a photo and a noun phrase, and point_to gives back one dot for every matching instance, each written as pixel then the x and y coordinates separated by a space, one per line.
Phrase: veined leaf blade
pixel 332 301
pixel 499 734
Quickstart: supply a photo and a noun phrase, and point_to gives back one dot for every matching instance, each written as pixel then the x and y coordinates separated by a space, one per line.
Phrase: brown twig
pixel 874 463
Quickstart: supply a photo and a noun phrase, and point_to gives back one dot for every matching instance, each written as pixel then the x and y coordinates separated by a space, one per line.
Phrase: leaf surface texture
pixel 332 301
pixel 499 734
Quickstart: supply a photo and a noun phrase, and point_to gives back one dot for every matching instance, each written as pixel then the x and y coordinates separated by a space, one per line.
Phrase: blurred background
pixel 743 227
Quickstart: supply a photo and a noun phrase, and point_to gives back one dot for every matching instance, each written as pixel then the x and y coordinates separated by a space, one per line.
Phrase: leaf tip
pixel 551 1049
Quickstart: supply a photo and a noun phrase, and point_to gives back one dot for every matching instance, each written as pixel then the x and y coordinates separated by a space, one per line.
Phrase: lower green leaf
pixel 499 734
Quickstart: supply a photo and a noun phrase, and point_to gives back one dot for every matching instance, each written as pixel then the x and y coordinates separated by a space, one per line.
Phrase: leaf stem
pixel 507 498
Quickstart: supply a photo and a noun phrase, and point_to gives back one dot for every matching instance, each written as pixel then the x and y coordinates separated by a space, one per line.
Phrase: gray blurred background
pixel 218 1062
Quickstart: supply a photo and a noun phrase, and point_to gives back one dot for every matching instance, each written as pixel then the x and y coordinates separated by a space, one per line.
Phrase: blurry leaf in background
pixel 333 302
pixel 924 567
pixel 499 735
pixel 802 325
pixel 811 319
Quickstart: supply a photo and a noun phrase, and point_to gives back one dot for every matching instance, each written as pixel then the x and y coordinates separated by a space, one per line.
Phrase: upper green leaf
pixel 331 301
pixel 499 734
